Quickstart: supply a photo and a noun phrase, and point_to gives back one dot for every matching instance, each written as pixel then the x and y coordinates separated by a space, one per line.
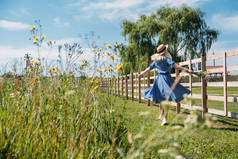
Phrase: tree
pixel 184 29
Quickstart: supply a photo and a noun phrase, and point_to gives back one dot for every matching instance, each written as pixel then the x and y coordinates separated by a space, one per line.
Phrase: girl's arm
pixel 176 66
pixel 145 71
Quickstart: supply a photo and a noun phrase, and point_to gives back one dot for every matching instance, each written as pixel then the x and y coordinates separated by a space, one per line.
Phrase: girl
pixel 161 88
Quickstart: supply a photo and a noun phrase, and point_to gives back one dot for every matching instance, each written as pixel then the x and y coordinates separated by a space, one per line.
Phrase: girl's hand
pixel 140 74
pixel 190 71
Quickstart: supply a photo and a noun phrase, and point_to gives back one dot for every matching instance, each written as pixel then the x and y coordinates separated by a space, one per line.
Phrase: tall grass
pixel 58 118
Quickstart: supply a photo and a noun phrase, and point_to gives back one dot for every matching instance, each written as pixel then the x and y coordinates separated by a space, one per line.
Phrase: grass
pixel 231 91
pixel 218 141
pixel 61 117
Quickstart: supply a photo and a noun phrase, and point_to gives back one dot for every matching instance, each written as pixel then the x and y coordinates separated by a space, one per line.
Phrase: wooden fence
pixel 130 86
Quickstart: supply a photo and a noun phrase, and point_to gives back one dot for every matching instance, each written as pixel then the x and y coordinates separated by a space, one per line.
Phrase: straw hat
pixel 162 53
pixel 161 49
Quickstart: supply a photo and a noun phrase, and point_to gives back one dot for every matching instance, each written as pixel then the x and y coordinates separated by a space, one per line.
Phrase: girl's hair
pixel 161 56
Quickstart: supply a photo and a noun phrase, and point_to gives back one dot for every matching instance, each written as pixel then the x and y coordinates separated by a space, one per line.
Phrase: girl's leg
pixel 165 116
pixel 162 112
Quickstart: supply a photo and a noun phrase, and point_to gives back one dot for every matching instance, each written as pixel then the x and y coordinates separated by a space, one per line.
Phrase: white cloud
pixel 12 26
pixel 226 23
pixel 129 9
pixel 61 23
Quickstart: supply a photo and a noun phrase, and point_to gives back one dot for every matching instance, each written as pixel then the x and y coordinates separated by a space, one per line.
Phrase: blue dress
pixel 163 82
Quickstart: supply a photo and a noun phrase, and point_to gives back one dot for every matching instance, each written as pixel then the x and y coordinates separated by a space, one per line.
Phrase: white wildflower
pixel 144 113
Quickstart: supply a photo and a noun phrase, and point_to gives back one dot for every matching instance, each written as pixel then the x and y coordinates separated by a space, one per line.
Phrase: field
pixel 67 117
pixel 218 141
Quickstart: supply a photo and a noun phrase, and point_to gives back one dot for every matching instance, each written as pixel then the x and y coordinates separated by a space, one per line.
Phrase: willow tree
pixel 184 29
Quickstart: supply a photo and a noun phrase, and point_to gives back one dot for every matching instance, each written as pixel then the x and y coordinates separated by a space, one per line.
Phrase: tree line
pixel 184 29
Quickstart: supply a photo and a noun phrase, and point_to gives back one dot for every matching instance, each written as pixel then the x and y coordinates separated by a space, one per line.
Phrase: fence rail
pixel 131 85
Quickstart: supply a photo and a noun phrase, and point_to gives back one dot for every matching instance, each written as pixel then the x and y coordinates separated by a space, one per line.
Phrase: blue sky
pixel 65 20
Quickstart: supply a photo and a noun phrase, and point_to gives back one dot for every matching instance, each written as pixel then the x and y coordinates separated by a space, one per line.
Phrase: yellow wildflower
pixel 116 45
pixel 105 70
pixel 120 67
pixel 92 80
pixel 43 37
pixel 110 70
pixel 120 88
pixel 96 81
pixel 108 46
pixel 107 52
pixel 112 57
pixel 99 49
pixel 50 41
pixel 32 27
pixel 100 71
pixel 90 68
pixel 84 64
pixel 96 87
pixel 35 62
pixel 36 38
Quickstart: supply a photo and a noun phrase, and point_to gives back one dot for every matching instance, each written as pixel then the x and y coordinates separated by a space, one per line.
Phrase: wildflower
pixel 84 64
pixel 112 57
pixel 12 95
pixel 143 113
pixel 35 62
pixel 110 70
pixel 32 27
pixel 107 52
pixel 163 151
pixel 108 46
pixel 99 49
pixel 116 45
pixel 84 61
pixel 92 80
pixel 50 41
pixel 105 70
pixel 36 38
pixel 96 87
pixel 120 88
pixel 43 37
pixel 100 71
pixel 96 81
pixel 90 68
pixel 119 67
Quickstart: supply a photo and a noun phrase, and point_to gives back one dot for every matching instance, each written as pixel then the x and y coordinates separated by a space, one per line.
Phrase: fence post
pixel 126 87
pixel 225 83
pixel 190 77
pixel 148 85
pixel 139 83
pixel 190 81
pixel 178 104
pixel 132 87
pixel 204 88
